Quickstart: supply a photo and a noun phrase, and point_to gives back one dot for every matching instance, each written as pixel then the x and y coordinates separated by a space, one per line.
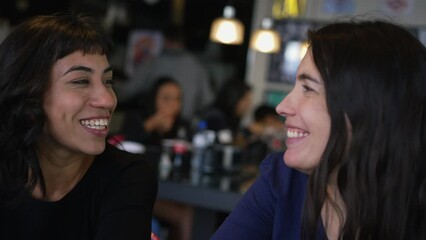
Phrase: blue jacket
pixel 271 208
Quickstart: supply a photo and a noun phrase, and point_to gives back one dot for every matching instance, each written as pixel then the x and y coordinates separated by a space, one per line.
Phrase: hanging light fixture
pixel 266 39
pixel 227 29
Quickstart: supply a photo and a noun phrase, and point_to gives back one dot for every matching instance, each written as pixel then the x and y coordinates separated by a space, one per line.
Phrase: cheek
pixel 175 106
pixel 325 133
pixel 54 118
pixel 178 104
pixel 60 107
pixel 114 96
pixel 323 125
pixel 50 108
pixel 161 104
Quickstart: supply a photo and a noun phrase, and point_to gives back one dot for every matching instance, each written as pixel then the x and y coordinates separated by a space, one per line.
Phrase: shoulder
pixel 282 178
pixel 188 58
pixel 270 207
pixel 125 188
pixel 120 158
pixel 114 163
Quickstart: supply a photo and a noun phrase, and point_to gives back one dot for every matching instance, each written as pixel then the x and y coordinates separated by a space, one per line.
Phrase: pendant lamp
pixel 227 29
pixel 266 39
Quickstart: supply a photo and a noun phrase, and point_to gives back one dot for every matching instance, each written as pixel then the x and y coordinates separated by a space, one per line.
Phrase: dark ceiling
pixel 197 17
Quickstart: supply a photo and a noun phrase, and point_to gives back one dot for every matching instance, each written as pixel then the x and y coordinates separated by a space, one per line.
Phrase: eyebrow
pixel 305 76
pixel 85 69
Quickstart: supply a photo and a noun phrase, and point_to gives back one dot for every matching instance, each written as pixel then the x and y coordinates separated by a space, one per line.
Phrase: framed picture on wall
pixel 143 45
pixel 283 65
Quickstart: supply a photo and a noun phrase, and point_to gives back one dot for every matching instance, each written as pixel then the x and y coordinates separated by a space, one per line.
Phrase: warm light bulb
pixel 227 31
pixel 266 41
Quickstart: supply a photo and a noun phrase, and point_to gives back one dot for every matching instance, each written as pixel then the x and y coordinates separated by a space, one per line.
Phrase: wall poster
pixel 143 46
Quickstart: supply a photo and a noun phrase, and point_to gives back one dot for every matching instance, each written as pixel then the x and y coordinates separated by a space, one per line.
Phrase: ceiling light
pixel 227 29
pixel 266 39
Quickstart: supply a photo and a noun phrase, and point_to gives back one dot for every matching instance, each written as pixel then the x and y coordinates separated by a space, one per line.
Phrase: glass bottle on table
pixel 179 150
pixel 165 164
pixel 201 141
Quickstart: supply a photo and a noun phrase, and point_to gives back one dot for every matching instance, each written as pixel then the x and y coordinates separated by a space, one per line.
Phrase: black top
pixel 113 200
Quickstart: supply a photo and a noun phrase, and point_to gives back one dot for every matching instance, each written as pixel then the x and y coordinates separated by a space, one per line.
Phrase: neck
pixel 61 175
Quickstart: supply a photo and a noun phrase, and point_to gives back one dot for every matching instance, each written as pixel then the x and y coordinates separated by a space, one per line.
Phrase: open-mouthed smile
pixel 98 124
pixel 296 133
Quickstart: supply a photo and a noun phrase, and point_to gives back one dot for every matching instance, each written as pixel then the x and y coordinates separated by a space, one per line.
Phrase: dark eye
pixel 81 81
pixel 306 88
pixel 109 82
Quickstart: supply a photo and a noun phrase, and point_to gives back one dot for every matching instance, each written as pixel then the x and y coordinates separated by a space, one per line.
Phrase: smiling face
pixel 78 104
pixel 307 119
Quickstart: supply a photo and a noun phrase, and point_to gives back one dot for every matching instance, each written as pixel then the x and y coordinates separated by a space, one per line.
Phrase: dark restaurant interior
pixel 209 199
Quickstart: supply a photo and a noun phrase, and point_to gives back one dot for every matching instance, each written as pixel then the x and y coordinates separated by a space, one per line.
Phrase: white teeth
pixel 95 123
pixel 296 134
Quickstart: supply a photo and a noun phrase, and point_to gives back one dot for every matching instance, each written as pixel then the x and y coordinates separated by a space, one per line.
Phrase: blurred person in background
pixel 160 118
pixel 265 134
pixel 224 115
pixel 266 122
pixel 157 120
pixel 174 61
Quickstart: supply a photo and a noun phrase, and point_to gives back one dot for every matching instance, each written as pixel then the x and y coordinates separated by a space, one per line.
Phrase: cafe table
pixel 210 196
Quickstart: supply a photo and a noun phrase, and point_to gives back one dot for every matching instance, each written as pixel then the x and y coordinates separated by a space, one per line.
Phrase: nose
pixel 103 97
pixel 286 107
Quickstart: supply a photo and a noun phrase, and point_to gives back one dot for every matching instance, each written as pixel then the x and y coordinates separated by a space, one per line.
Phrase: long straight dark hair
pixel 374 74
pixel 26 59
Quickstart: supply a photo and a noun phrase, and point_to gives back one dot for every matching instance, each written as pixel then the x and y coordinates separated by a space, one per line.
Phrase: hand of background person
pixel 159 122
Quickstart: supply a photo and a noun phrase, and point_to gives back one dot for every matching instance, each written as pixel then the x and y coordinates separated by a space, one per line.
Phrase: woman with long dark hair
pixel 355 164
pixel 59 179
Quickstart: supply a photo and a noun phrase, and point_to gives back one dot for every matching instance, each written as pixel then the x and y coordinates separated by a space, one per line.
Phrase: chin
pixel 290 159
pixel 95 149
pixel 295 162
